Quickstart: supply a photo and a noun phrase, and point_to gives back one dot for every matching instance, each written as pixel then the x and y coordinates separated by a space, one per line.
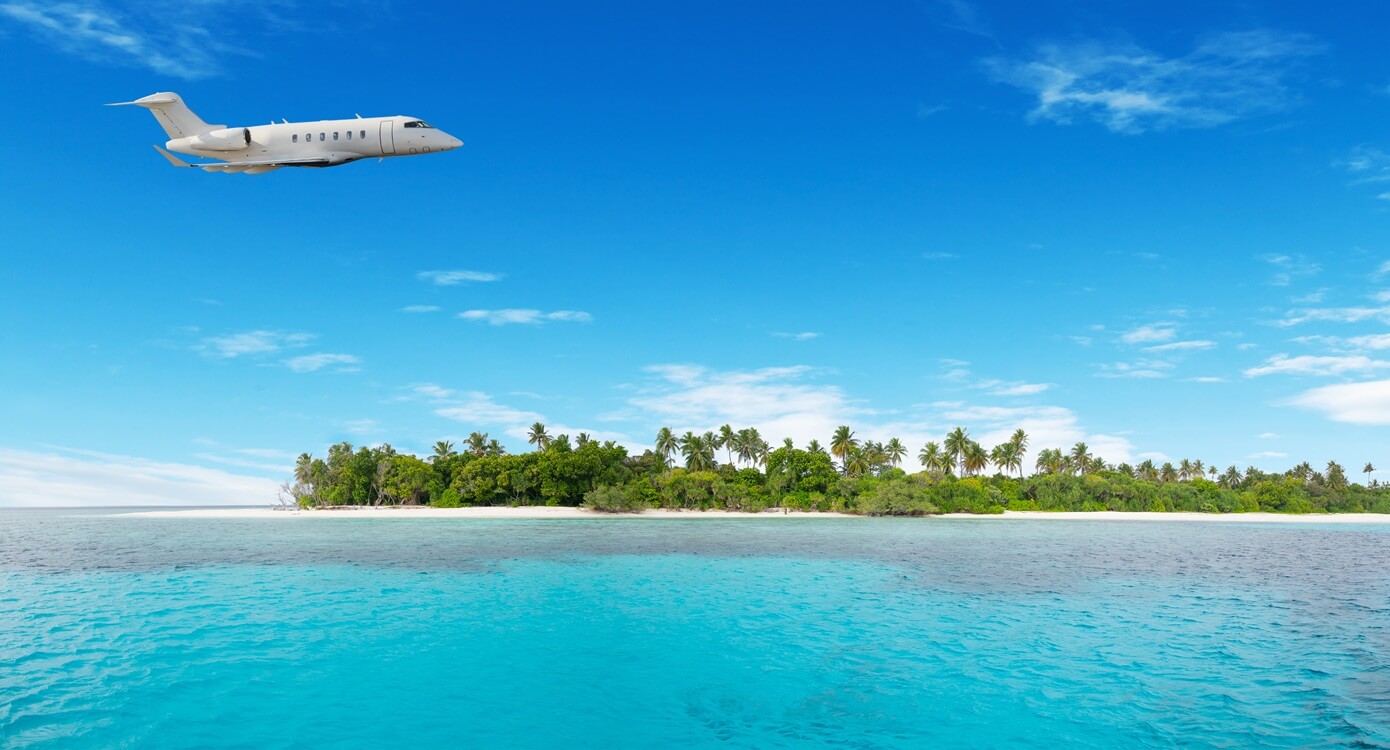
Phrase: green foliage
pixel 610 499
pixel 604 477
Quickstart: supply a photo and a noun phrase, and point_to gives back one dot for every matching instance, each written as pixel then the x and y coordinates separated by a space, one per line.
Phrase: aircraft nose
pixel 454 142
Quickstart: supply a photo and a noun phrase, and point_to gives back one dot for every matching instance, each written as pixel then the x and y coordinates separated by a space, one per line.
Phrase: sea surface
pixel 612 633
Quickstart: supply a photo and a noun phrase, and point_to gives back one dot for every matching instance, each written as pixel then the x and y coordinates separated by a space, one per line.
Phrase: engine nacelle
pixel 226 139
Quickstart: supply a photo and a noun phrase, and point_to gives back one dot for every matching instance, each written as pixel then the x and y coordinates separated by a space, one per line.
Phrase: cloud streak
pixel 97 32
pixel 513 316
pixel 454 278
pixel 1130 89
pixel 88 478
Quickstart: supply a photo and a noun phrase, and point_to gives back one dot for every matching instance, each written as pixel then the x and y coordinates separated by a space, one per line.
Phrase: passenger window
pixel 349 135
pixel 364 134
pixel 323 137
pixel 294 138
pixel 335 135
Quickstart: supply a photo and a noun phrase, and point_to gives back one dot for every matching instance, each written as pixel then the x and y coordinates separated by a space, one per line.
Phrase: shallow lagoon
pixel 739 633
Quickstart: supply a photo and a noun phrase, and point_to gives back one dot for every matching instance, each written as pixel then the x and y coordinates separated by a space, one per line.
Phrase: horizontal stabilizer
pixel 176 161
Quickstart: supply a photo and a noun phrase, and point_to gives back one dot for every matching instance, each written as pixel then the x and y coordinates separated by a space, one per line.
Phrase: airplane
pixel 265 148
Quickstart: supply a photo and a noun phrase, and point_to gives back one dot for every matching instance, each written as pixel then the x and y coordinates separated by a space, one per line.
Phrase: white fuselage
pixel 338 141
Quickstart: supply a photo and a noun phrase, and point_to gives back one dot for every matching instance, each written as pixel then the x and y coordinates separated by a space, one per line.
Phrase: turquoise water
pixel 856 633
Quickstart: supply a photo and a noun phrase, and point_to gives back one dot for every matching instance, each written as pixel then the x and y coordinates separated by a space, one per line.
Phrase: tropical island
pixel 850 476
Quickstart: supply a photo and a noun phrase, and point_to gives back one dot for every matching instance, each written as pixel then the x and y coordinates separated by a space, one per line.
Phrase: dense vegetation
pixel 851 476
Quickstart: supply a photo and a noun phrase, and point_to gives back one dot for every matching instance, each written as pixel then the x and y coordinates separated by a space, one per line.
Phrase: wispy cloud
pixel 67 477
pixel 476 408
pixel 1130 89
pixel 93 30
pixel 1016 388
pixel 454 278
pixel 802 336
pixel 1282 364
pixel 1182 346
pixel 939 256
pixel 252 342
pixel 1354 403
pixel 1333 315
pixel 526 316
pixel 1289 267
pixel 316 362
pixel 1151 333
pixel 420 308
pixel 1142 369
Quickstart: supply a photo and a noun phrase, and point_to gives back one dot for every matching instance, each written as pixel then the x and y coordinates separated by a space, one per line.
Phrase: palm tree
pixel 304 468
pixel 814 446
pixel 538 437
pixel 582 439
pixel 726 441
pixel 1168 473
pixel 1213 472
pixel 857 463
pixel 1147 471
pixel 975 459
pixel 933 460
pixel 843 443
pixel 1019 441
pixel 957 441
pixel 1080 458
pixel 1199 469
pixel 1184 470
pixel 1367 469
pixel 698 451
pixel 443 451
pixel 477 443
pixel 1003 456
pixel 1336 476
pixel 494 448
pixel 1231 479
pixel 894 451
pixel 665 444
pixel 1051 461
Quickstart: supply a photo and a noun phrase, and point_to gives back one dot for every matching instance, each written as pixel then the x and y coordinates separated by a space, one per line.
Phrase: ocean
pixel 763 633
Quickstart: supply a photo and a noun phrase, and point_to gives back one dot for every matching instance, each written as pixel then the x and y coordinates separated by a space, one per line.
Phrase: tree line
pixel 732 469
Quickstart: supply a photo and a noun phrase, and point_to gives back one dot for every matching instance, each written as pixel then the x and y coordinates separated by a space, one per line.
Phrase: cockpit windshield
pixel 418 124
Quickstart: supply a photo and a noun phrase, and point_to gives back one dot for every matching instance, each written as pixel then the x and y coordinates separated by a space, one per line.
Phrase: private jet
pixel 265 148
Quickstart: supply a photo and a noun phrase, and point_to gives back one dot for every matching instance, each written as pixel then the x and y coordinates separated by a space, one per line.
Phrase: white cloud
pixel 476 408
pixel 525 316
pixel 1355 403
pixel 252 342
pixel 1144 368
pixel 1368 164
pixel 1311 365
pixel 1081 340
pixel 1268 454
pixel 802 336
pixel 361 426
pixel 1151 333
pixel 420 308
pixel 454 278
pixel 179 45
pixel 1267 436
pixel 315 362
pixel 1129 89
pixel 924 110
pixel 1182 346
pixel 781 402
pixel 1289 267
pixel 1333 315
pixel 87 478
pixel 939 256
pixel 1017 389
pixel 1206 379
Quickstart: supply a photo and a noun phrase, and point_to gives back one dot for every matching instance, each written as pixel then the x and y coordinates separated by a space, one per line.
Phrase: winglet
pixel 176 161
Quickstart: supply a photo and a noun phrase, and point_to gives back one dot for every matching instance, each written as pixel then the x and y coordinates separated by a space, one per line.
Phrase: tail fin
pixel 173 115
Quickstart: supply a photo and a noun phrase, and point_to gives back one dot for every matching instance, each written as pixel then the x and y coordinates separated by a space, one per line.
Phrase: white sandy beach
pixel 542 512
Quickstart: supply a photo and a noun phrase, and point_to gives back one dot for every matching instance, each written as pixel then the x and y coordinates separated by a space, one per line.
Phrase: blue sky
pixel 1161 230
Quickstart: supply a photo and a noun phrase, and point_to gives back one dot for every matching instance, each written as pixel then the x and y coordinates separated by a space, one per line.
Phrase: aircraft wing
pixel 254 167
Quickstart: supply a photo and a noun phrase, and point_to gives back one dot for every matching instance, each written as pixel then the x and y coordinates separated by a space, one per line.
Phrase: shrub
pixel 448 499
pixel 608 499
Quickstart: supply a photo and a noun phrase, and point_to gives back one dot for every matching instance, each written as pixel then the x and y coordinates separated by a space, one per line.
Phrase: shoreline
pixel 560 513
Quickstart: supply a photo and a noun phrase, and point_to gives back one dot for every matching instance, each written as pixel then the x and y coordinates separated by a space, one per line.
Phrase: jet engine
pixel 226 139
